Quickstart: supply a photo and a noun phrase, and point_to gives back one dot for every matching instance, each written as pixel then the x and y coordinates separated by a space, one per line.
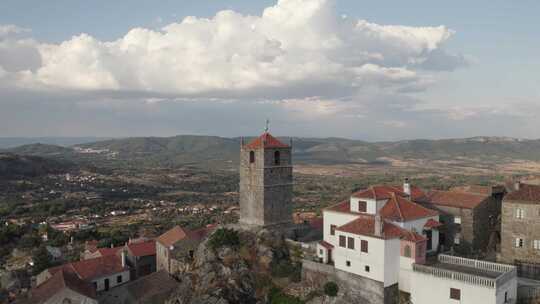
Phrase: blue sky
pixel 499 40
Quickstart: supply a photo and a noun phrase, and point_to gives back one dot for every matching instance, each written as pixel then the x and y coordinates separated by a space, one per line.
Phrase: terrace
pixel 470 271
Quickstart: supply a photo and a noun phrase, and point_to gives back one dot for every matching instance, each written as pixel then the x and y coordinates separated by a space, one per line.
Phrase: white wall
pixel 334 218
pixel 67 293
pixel 372 206
pixel 112 280
pixel 382 258
pixel 418 225
pixel 428 289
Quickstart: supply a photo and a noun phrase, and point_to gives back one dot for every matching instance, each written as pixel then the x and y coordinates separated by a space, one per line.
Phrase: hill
pixel 220 152
pixel 11 142
pixel 17 166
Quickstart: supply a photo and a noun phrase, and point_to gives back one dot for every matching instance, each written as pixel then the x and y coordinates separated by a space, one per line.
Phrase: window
pixel 520 213
pixel 320 251
pixel 191 254
pixel 364 246
pixel 350 243
pixel 342 241
pixel 519 242
pixel 95 286
pixel 333 229
pixel 366 268
pixel 251 157
pixel 457 239
pixel 457 220
pixel 506 297
pixel 536 244
pixel 276 158
pixel 362 206
pixel 348 263
pixel 119 279
pixel 455 294
pixel 407 251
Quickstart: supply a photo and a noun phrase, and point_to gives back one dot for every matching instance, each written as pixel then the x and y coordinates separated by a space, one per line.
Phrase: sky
pixel 371 70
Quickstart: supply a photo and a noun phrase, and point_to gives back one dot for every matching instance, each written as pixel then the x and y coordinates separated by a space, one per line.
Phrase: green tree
pixel 331 289
pixel 42 260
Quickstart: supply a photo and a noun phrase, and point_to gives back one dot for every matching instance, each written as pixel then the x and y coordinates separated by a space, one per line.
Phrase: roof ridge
pixel 397 205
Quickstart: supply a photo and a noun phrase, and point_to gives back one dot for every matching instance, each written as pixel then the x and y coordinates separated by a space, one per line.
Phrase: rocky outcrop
pixel 241 273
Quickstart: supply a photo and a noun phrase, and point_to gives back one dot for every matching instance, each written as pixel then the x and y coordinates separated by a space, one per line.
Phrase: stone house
pixel 141 258
pixel 103 273
pixel 63 287
pixel 175 248
pixel 470 217
pixel 520 231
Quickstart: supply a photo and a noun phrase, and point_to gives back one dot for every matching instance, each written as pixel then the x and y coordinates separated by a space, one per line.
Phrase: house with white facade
pixel 381 238
pixel 102 273
pixel 451 279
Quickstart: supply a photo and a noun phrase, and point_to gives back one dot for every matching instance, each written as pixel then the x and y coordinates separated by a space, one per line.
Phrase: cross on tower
pixel 267 125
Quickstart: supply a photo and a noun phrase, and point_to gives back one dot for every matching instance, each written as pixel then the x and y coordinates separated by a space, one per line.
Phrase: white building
pixel 458 280
pixel 379 234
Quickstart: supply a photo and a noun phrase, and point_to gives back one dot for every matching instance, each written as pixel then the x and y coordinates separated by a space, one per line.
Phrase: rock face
pixel 232 274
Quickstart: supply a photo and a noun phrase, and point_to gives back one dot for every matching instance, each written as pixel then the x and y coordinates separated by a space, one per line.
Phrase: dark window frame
pixel 333 229
pixel 455 294
pixel 277 158
pixel 350 242
pixel 251 157
pixel 364 246
pixel 362 206
pixel 119 279
pixel 342 241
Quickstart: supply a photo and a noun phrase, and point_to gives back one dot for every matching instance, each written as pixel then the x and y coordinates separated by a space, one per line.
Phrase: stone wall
pixel 266 189
pixel 527 228
pixel 352 288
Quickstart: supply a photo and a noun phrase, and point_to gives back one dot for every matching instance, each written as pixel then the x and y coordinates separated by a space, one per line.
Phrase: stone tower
pixel 266 182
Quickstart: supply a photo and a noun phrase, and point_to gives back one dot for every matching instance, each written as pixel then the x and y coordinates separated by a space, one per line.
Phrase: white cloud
pixel 11 29
pixel 302 47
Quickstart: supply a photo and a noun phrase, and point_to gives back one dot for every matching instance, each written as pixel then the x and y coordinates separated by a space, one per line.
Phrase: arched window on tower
pixel 407 251
pixel 276 158
pixel 251 157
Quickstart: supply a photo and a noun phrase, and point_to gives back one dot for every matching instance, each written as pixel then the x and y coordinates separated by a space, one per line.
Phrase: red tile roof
pixel 172 236
pixel 365 225
pixel 109 251
pixel 266 140
pixel 142 249
pixel 344 206
pixel 378 192
pixel 455 199
pixel 400 209
pixel 326 245
pixel 431 223
pixel 58 281
pixel 526 193
pixel 90 269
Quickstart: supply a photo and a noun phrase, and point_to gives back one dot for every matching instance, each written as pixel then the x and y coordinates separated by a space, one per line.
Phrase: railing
pixel 507 272
pixel 454 275
pixel 490 266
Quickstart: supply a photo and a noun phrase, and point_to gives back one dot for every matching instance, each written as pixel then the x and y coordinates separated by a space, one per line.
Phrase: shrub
pixel 331 289
pixel 224 237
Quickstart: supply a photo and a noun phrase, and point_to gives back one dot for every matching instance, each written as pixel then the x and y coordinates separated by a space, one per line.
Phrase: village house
pixel 176 247
pixel 63 287
pixel 380 244
pixel 103 272
pixel 470 216
pixel 520 231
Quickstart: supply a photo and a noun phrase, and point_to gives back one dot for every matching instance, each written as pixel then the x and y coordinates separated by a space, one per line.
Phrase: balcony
pixel 470 271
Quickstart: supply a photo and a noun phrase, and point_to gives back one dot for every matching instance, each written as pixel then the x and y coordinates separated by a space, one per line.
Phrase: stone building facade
pixel 471 218
pixel 266 182
pixel 520 231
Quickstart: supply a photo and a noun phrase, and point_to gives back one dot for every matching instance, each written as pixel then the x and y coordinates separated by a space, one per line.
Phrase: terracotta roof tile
pixel 326 245
pixel 58 281
pixel 172 236
pixel 400 209
pixel 109 251
pixel 142 249
pixel 378 192
pixel 455 199
pixel 431 223
pixel 365 225
pixel 526 193
pixel 266 140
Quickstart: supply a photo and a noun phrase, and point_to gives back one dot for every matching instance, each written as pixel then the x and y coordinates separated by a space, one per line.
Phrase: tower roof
pixel 266 140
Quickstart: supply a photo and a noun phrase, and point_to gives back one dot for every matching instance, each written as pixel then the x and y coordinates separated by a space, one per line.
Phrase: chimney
pixel 407 187
pixel 517 186
pixel 123 257
pixel 378 225
pixel 112 245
